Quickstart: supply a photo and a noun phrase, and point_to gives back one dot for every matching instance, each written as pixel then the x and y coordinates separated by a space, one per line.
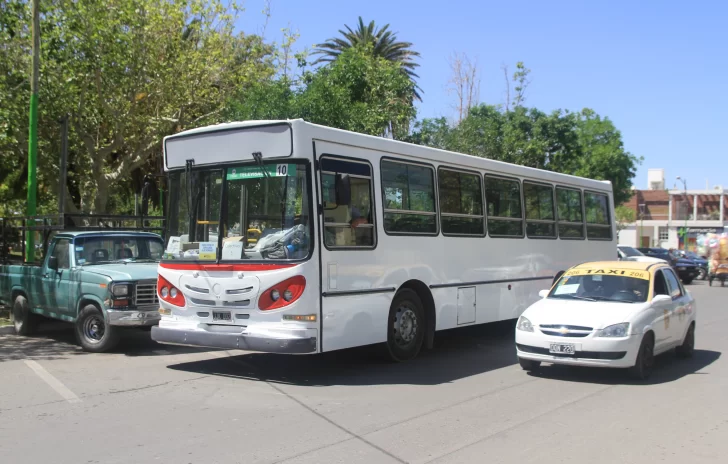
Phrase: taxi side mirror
pixel 661 299
pixel 543 293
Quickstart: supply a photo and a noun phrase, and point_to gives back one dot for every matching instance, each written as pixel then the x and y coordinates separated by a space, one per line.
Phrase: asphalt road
pixel 466 401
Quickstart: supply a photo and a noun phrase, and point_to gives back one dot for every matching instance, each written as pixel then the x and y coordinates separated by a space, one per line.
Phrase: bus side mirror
pixel 343 189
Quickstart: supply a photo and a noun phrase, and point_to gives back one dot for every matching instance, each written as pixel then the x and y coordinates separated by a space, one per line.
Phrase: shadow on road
pixel 57 340
pixel 668 368
pixel 458 354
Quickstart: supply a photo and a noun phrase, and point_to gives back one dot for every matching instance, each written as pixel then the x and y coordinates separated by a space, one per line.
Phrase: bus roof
pixel 387 147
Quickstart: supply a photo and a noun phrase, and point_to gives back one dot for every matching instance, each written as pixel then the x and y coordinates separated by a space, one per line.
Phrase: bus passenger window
pixel 503 200
pixel 409 198
pixel 346 190
pixel 571 220
pixel 540 216
pixel 461 203
pixel 598 226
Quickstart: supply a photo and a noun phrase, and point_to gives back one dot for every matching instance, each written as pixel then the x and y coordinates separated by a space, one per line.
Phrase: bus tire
pixel 406 326
pixel 92 331
pixel 24 321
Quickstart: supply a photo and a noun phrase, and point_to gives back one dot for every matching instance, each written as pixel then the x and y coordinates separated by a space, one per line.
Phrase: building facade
pixel 673 218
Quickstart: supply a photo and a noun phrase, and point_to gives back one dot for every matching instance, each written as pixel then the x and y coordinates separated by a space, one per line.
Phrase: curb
pixel 7 330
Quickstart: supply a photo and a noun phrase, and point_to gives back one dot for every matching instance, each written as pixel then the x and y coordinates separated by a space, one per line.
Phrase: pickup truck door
pixel 56 279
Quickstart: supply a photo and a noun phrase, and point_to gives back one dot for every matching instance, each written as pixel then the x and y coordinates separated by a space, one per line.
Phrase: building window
pixel 571 219
pixel 461 203
pixel 598 225
pixel 503 201
pixel 664 234
pixel 540 216
pixel 409 198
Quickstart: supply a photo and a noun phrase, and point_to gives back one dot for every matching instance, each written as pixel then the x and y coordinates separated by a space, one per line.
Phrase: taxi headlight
pixel 524 324
pixel 616 330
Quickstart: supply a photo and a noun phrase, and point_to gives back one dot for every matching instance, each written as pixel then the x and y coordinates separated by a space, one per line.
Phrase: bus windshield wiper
pixel 258 157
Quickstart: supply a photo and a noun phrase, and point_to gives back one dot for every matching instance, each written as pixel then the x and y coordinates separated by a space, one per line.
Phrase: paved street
pixel 466 401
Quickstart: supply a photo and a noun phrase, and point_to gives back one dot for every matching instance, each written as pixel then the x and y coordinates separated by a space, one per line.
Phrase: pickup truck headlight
pixel 616 330
pixel 121 290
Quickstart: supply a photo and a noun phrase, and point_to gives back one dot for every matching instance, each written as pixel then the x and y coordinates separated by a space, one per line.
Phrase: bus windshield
pixel 244 212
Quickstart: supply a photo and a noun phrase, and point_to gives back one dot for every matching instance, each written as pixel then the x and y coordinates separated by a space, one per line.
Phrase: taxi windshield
pixel 601 287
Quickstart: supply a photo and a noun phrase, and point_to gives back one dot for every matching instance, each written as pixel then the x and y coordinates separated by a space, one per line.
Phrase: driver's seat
pixel 100 255
pixel 124 253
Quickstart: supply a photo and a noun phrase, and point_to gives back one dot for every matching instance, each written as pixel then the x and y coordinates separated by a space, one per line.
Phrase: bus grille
pixel 146 294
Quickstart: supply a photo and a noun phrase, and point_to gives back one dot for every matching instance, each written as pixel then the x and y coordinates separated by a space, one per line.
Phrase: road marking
pixel 53 382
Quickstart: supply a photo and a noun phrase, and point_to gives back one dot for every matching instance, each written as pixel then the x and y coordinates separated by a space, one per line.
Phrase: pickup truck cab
pixel 99 281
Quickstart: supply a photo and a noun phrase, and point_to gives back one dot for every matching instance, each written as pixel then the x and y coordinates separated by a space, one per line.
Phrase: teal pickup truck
pixel 99 281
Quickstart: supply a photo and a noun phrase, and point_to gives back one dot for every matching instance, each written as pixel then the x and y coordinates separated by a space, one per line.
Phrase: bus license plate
pixel 221 316
pixel 562 348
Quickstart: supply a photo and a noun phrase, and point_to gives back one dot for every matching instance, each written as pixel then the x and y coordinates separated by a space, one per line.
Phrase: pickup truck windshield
pixel 117 248
pixel 244 212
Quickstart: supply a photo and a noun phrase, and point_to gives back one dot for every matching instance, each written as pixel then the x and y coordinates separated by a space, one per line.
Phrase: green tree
pixel 383 44
pixel 623 216
pixel 582 144
pixel 603 154
pixel 358 92
pixel 128 72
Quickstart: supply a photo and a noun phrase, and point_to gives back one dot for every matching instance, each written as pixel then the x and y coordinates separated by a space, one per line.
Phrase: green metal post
pixel 33 132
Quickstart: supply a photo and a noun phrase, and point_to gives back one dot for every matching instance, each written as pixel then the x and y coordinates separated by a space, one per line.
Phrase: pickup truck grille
pixel 146 294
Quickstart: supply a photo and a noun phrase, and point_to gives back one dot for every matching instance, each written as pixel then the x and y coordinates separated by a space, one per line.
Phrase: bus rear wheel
pixel 406 326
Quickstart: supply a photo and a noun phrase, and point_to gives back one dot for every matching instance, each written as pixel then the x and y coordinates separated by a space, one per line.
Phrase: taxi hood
pixel 595 314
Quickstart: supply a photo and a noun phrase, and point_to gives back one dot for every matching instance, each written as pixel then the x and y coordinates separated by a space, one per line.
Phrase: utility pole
pixel 33 132
pixel 687 208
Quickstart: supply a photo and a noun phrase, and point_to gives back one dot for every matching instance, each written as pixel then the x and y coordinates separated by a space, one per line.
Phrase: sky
pixel 657 69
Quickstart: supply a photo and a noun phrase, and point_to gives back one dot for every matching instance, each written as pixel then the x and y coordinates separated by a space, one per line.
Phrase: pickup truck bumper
pixel 235 341
pixel 140 317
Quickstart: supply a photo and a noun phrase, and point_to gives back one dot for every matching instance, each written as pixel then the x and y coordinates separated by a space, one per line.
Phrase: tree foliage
pixel 582 144
pixel 359 91
pixel 623 216
pixel 128 72
pixel 381 42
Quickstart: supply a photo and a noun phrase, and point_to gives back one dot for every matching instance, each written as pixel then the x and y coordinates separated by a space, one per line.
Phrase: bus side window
pixel 540 216
pixel 461 203
pixel 351 223
pixel 598 226
pixel 409 198
pixel 570 216
pixel 503 202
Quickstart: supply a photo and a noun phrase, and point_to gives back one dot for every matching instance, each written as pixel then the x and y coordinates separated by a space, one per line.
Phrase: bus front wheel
pixel 406 326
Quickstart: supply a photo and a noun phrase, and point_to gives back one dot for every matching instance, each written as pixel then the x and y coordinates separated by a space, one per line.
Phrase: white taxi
pixel 608 314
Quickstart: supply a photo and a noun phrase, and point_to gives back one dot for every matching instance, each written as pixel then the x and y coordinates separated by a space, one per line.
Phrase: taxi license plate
pixel 562 348
pixel 221 316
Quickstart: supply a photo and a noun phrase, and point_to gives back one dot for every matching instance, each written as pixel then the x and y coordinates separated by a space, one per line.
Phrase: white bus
pixel 289 237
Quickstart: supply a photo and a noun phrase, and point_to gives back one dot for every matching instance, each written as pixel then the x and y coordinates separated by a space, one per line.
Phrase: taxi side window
pixel 660 284
pixel 672 283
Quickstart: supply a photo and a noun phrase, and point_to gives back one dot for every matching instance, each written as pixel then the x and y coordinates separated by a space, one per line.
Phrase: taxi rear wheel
pixel 642 368
pixel 528 365
pixel 687 348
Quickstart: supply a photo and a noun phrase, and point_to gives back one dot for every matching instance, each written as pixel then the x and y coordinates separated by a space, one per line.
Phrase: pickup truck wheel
pixel 92 331
pixel 24 320
pixel 688 280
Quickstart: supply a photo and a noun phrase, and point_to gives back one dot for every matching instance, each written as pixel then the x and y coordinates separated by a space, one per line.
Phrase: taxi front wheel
pixel 642 368
pixel 528 365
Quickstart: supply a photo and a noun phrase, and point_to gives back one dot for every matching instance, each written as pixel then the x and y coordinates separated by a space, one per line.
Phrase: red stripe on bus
pixel 225 267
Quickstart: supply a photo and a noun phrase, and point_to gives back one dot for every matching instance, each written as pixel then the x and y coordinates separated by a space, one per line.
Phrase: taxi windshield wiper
pixel 577 297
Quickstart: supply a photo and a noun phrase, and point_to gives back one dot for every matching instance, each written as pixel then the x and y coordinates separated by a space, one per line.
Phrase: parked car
pixel 99 281
pixel 685 268
pixel 608 314
pixel 699 261
pixel 628 253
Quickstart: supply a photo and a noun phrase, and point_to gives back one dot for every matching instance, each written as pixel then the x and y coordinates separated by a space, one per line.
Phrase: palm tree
pixel 384 44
